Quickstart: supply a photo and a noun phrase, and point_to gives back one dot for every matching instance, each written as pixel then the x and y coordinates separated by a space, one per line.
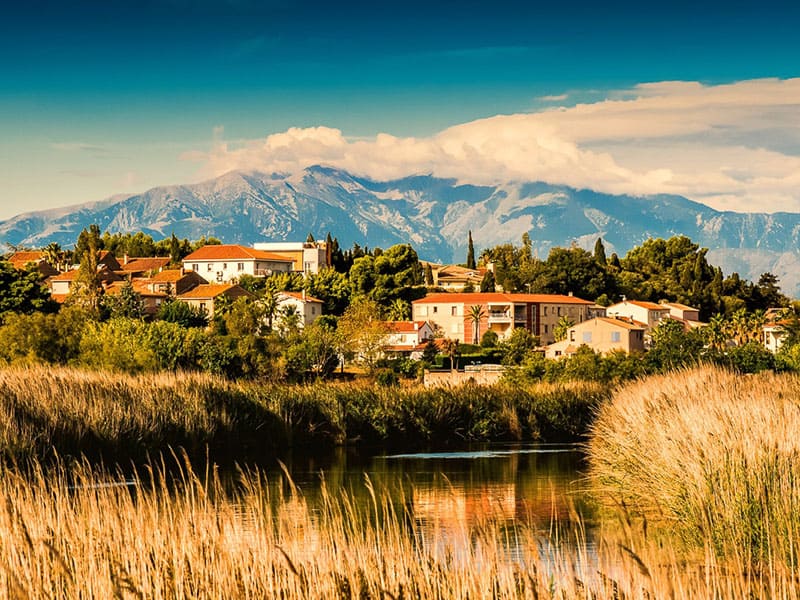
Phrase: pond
pixel 540 487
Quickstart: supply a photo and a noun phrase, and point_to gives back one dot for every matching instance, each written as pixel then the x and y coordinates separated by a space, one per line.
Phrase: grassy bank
pixel 120 417
pixel 84 536
pixel 710 458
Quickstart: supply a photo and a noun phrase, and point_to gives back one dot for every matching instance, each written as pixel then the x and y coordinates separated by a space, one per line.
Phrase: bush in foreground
pixel 710 456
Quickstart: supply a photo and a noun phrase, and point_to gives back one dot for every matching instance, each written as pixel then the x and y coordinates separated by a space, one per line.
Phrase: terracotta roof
pixel 678 305
pixel 150 263
pixel 485 297
pixel 299 296
pixel 103 274
pixel 173 275
pixel 404 326
pixel 621 322
pixel 641 304
pixel 233 252
pixel 139 287
pixel 25 257
pixel 211 290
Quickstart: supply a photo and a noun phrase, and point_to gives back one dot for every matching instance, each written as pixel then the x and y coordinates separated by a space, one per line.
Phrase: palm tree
pixel 476 314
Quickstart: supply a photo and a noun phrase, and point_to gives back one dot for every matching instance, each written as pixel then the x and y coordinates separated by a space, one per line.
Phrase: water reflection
pixel 521 496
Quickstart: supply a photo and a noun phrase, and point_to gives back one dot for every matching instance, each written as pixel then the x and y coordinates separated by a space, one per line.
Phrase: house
pixel 689 316
pixel 174 281
pixel 308 307
pixel 61 284
pixel 108 260
pixel 408 337
pixel 499 312
pixel 306 257
pixel 648 313
pixel 21 260
pixel 225 263
pixel 151 301
pixel 774 334
pixel 601 334
pixel 455 278
pixel 205 296
pixel 144 266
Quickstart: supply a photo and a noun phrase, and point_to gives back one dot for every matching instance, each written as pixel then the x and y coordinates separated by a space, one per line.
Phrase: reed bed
pixel 47 411
pixel 79 534
pixel 711 460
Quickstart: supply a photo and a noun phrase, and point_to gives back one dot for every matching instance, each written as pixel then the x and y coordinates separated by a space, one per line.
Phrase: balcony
pixel 499 316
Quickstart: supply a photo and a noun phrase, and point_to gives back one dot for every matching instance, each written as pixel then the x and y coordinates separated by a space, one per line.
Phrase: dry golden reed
pixel 710 458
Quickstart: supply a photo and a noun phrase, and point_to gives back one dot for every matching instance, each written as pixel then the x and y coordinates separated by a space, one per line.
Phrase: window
pixel 545 328
pixel 615 336
pixel 545 311
pixel 210 267
pixel 195 267
pixel 587 337
pixel 240 266
pixel 224 266
pixel 571 336
pixel 454 311
pixel 202 307
pixel 559 311
pixel 313 309
pixel 435 309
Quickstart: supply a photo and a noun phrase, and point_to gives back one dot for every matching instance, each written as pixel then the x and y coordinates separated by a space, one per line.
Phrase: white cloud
pixel 733 146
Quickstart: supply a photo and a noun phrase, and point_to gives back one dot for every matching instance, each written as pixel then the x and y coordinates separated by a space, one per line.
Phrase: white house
pixel 408 337
pixel 227 262
pixel 306 257
pixel 307 307
pixel 648 313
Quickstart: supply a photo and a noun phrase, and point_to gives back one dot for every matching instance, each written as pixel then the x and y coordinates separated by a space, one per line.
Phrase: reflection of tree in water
pixel 515 496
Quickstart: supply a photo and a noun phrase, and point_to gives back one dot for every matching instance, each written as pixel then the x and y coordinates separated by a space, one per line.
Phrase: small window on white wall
pixel 615 336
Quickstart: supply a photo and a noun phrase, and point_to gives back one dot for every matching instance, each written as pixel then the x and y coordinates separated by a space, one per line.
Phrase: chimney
pixel 569 294
pixel 624 299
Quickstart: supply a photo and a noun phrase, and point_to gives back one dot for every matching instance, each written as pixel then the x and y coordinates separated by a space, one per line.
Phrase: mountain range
pixel 433 214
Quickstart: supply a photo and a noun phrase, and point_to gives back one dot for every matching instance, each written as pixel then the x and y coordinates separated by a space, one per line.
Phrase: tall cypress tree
pixel 470 253
pixel 599 252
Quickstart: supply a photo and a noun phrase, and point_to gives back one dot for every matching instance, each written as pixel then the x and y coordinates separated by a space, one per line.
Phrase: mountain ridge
pixel 433 214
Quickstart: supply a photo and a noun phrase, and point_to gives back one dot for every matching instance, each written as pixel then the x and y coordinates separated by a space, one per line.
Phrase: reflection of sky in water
pixel 515 500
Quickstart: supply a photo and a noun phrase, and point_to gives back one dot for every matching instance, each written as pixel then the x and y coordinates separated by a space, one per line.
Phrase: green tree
pixel 600 253
pixel 450 347
pixel 561 328
pixel 428 274
pixel 518 346
pixel 23 290
pixel 332 288
pixel 87 289
pixel 399 310
pixel 672 347
pixel 181 313
pixel 488 283
pixel 362 332
pixel 470 252
pixel 127 303
pixel 175 255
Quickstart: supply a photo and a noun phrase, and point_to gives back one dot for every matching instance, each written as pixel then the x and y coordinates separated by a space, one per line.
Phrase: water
pixel 538 489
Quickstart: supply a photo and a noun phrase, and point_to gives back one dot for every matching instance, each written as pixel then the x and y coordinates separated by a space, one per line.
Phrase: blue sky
pixel 98 98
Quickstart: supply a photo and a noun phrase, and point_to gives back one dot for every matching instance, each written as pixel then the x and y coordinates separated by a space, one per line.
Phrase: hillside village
pixel 453 311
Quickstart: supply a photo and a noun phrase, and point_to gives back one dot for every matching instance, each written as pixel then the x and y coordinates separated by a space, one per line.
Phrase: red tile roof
pixel 404 326
pixel 299 296
pixel 150 263
pixel 233 252
pixel 622 322
pixel 486 297
pixel 212 290
pixel 642 304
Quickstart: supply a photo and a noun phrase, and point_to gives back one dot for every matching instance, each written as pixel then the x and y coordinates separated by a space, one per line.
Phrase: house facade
pixel 306 257
pixel 601 334
pixel 408 337
pixel 225 263
pixel 21 260
pixel 648 313
pixel 454 278
pixel 501 313
pixel 308 307
pixel 174 282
